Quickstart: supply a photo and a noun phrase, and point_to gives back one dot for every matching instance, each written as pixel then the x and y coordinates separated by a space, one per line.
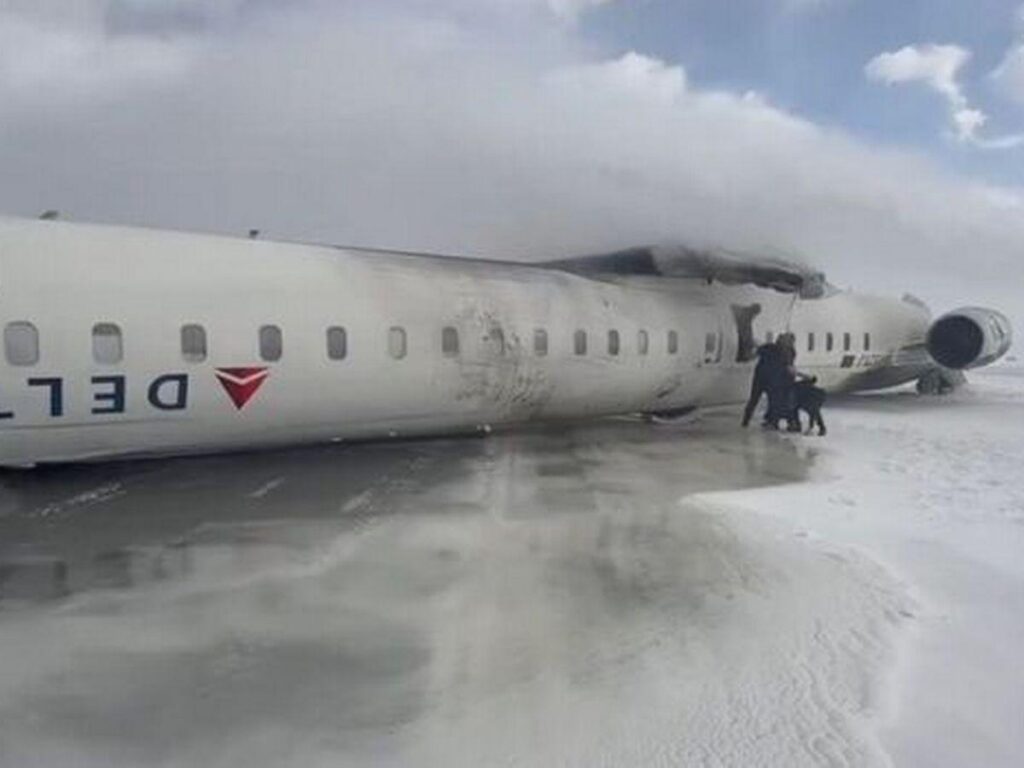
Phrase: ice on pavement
pixel 612 594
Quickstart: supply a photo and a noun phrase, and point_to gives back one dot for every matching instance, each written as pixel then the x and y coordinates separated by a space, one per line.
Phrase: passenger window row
pixel 830 341
pixel 21 343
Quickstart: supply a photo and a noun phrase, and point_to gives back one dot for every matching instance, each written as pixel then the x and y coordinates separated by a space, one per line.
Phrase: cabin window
pixel 830 342
pixel 450 342
pixel 271 343
pixel 337 343
pixel 613 342
pixel 643 343
pixel 847 342
pixel 673 342
pixel 397 345
pixel 107 344
pixel 810 342
pixel 579 342
pixel 21 343
pixel 193 343
pixel 495 341
pixel 540 342
pixel 867 342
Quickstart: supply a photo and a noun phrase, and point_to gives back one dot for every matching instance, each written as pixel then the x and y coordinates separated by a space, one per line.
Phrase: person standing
pixel 769 357
pixel 782 376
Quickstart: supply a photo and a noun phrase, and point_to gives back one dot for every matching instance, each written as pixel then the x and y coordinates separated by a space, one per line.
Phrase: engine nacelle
pixel 969 338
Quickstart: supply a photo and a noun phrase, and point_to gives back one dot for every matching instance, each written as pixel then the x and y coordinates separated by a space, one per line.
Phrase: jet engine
pixel 969 338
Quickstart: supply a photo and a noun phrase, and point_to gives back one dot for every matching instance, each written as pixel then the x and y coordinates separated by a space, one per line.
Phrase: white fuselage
pixel 429 344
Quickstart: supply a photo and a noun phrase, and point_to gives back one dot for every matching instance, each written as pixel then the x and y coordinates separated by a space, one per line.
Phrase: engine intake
pixel 969 338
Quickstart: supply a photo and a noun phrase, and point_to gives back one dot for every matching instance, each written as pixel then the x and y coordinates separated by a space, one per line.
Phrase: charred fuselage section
pixel 710 264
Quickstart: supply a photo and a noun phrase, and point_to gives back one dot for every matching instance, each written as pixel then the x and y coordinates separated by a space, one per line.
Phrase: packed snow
pixel 610 594
pixel 931 489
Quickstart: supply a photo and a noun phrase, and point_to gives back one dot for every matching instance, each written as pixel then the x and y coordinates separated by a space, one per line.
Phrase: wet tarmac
pixel 360 604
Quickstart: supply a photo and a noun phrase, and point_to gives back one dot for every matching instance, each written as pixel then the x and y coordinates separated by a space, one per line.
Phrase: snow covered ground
pixel 932 489
pixel 610 594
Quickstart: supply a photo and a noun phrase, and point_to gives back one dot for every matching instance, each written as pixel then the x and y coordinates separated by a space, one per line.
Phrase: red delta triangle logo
pixel 241 383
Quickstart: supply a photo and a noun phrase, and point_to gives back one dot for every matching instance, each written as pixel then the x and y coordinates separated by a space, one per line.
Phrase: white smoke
pixel 461 127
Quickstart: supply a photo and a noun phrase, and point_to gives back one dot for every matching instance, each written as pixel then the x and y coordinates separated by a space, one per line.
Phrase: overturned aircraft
pixel 123 342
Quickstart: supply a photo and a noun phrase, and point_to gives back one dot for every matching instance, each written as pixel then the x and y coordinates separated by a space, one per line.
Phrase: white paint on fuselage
pixel 65 278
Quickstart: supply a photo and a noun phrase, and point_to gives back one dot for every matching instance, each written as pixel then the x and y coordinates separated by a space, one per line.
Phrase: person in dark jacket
pixel 780 386
pixel 769 360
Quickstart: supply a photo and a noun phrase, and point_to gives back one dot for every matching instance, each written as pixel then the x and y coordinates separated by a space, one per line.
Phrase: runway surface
pixel 67 530
pixel 537 597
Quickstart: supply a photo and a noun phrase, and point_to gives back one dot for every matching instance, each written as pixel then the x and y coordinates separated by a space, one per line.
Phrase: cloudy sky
pixel 881 140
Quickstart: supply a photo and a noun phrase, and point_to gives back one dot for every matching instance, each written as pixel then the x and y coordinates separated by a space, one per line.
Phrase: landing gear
pixel 940 381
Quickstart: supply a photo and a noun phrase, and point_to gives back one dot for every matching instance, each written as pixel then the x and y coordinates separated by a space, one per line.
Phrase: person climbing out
pixel 743 316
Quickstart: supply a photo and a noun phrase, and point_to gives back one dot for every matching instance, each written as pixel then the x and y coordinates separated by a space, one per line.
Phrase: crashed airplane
pixel 124 342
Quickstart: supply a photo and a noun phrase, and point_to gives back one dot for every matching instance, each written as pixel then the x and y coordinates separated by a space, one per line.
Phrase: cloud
pixel 47 61
pixel 633 76
pixel 571 9
pixel 163 16
pixel 938 67
pixel 1009 75
pixel 444 126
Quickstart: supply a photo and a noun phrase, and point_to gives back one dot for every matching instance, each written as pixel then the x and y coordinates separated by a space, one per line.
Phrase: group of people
pixel 788 391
